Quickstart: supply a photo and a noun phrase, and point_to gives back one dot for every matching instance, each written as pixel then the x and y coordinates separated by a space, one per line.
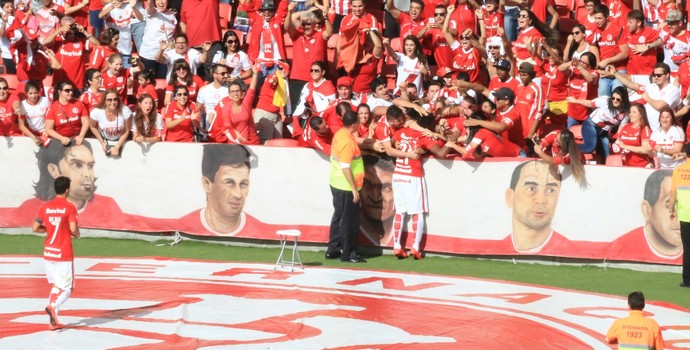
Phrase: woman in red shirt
pixel 109 40
pixel 633 139
pixel 563 150
pixel 181 117
pixel 9 123
pixel 92 93
pixel 234 122
pixel 117 77
pixel 182 76
pixel 367 123
pixel 66 118
pixel 532 31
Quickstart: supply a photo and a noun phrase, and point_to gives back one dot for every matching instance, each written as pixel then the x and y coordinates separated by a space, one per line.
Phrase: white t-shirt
pixel 209 96
pixel 667 139
pixel 120 19
pixel 153 34
pixel 674 46
pixel 159 125
pixel 236 62
pixel 192 57
pixel 669 93
pixel 409 72
pixel 601 115
pixel 5 42
pixel 35 114
pixel 139 6
pixel 111 130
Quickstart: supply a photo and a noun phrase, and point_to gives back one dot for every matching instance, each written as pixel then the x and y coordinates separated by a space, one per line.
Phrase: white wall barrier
pixel 619 214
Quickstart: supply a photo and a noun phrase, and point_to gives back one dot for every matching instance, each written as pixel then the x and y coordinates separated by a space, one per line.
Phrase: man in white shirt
pixel 658 94
pixel 209 95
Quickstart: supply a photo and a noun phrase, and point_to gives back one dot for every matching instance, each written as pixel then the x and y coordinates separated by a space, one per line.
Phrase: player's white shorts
pixel 410 195
pixel 60 273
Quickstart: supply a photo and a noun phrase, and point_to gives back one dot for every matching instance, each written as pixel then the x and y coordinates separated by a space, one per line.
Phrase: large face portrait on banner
pixel 532 196
pixel 377 207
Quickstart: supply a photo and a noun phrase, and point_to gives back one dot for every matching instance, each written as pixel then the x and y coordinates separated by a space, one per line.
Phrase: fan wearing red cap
pixel 344 94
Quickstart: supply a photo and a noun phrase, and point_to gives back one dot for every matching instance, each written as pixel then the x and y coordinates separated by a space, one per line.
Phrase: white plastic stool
pixel 285 236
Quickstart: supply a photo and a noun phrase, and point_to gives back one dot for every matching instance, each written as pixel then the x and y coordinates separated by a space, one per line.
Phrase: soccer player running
pixel 58 218
pixel 409 185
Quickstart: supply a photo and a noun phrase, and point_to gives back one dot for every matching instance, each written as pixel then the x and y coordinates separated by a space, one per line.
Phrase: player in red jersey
pixel 507 119
pixel 486 142
pixel 409 185
pixel 58 218
pixel 317 135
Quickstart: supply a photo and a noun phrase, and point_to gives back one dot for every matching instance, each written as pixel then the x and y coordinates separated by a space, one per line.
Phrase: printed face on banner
pixel 77 164
pixel 226 195
pixel 663 232
pixel 533 200
pixel 377 205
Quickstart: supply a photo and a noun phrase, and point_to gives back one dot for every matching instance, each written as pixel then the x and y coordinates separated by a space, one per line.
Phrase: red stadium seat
pixel 48 81
pixel 12 81
pixel 239 35
pixel 224 12
pixel 282 143
pixel 568 4
pixel 396 44
pixel 331 47
pixel 614 160
pixel 161 84
pixel 577 133
pixel 389 71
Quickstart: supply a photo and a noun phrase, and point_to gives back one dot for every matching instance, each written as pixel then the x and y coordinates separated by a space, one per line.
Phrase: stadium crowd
pixel 568 82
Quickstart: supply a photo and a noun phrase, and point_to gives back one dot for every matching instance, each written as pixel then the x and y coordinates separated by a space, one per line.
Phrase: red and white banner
pixel 617 214
pixel 178 304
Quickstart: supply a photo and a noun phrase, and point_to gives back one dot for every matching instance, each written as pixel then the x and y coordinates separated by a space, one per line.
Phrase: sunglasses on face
pixel 68 90
pixel 315 71
pixel 304 24
pixel 222 73
pixel 4 88
pixel 232 42
pixel 617 99
pixel 494 47
pixel 180 94
pixel 577 33
pixel 181 68
pixel 658 75
pixel 440 14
